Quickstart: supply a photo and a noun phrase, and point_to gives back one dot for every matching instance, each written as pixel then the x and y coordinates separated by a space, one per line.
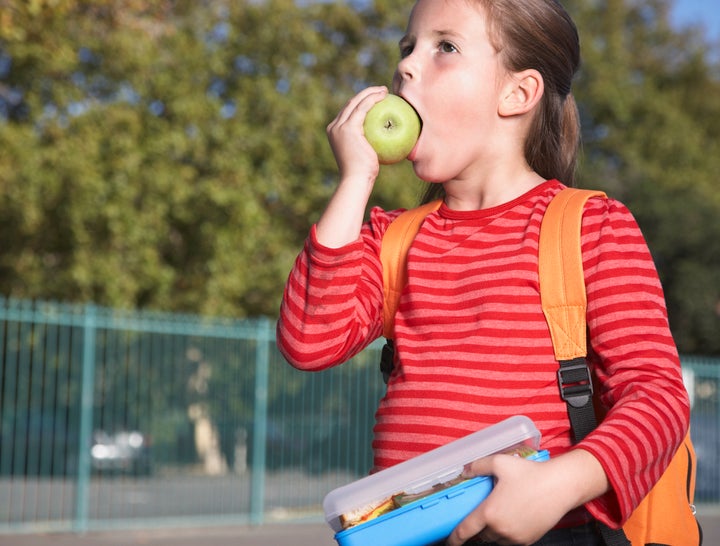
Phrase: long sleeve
pixel 635 360
pixel 332 304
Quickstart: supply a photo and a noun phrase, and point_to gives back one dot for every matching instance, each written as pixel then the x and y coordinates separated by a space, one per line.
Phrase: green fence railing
pixel 112 418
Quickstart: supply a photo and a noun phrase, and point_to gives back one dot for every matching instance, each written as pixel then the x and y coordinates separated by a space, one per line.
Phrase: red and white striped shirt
pixel 473 346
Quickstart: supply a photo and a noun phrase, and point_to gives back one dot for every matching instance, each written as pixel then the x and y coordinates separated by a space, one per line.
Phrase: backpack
pixel 666 516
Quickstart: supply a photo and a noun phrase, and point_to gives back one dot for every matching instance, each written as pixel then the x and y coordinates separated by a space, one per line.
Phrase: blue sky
pixel 706 12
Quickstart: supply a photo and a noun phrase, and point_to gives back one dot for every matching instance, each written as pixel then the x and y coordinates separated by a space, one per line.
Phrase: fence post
pixel 86 417
pixel 262 365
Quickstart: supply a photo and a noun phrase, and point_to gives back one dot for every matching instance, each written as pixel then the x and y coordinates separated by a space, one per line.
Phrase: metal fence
pixel 112 418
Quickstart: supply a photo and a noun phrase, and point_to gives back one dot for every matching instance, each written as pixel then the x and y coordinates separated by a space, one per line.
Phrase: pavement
pixel 295 534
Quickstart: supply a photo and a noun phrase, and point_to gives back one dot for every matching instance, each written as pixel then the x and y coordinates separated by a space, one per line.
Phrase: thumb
pixel 480 467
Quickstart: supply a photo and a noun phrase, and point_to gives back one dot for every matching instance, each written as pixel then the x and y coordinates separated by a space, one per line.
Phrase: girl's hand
pixel 358 163
pixel 529 497
pixel 355 158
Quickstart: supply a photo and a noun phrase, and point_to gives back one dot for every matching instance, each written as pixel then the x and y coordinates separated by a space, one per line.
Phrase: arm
pixel 358 167
pixel 333 298
pixel 635 361
pixel 332 304
pixel 529 498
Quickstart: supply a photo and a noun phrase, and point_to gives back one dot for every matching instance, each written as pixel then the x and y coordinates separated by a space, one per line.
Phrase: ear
pixel 522 91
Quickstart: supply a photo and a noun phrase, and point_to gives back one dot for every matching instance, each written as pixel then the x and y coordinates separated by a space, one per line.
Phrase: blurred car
pixel 123 452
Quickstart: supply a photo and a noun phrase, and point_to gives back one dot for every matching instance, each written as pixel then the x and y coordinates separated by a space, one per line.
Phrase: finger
pixel 351 107
pixel 462 533
pixel 474 525
pixel 480 467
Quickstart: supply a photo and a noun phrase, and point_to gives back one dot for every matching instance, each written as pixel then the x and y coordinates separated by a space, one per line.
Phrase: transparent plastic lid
pixel 424 471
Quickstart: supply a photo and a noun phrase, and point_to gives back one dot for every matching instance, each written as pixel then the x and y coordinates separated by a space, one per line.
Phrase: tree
pixel 650 105
pixel 173 159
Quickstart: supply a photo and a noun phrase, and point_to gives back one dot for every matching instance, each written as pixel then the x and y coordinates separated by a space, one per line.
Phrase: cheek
pixel 459 118
pixel 462 103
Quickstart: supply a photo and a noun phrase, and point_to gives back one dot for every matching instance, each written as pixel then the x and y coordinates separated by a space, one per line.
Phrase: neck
pixel 486 193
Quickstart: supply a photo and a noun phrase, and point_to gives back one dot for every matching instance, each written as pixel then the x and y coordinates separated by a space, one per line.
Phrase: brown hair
pixel 539 34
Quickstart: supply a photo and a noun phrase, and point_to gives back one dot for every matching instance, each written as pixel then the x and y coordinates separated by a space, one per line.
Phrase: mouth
pixel 413 152
pixel 415 109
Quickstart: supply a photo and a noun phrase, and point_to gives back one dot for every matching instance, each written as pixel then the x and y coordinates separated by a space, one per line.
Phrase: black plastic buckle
pixel 575 382
pixel 387 360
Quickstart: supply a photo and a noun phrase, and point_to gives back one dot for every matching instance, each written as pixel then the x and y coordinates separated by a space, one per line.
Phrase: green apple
pixel 392 127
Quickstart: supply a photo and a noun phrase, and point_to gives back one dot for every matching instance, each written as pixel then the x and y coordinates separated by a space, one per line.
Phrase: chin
pixel 427 174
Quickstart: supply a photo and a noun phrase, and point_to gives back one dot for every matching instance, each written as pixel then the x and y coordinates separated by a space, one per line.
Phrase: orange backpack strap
pixel 393 255
pixel 562 282
pixel 564 303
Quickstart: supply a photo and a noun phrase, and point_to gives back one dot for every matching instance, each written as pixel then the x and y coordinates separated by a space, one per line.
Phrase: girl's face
pixel 452 75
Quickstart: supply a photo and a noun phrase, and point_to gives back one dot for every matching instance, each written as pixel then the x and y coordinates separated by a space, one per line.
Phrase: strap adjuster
pixel 387 360
pixel 575 382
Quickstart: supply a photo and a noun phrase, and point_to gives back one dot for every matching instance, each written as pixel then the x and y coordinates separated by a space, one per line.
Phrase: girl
pixel 490 80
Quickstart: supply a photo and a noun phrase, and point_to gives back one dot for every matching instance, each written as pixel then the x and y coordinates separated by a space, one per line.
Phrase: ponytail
pixel 552 144
pixel 569 141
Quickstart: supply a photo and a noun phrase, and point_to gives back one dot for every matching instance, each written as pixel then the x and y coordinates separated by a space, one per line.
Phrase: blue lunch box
pixel 433 517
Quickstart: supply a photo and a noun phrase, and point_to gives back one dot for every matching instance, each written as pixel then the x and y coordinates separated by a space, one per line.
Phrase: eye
pixel 405 49
pixel 446 47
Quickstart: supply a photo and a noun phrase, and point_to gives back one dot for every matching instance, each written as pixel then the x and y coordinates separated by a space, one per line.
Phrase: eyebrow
pixel 436 34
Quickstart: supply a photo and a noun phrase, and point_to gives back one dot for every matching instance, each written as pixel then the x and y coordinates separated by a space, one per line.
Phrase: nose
pixel 406 71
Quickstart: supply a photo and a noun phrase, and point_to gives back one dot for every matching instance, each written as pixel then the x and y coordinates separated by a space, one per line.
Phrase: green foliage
pixel 650 101
pixel 175 160
pixel 173 155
